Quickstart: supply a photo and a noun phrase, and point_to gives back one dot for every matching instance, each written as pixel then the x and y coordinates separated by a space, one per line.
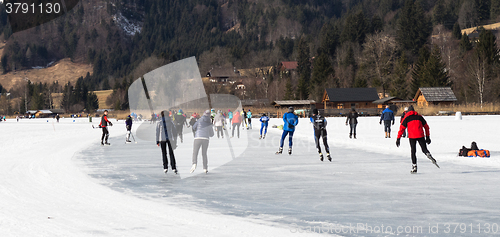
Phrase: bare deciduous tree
pixel 380 52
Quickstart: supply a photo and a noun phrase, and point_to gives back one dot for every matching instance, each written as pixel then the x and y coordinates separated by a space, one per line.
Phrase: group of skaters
pixel 169 128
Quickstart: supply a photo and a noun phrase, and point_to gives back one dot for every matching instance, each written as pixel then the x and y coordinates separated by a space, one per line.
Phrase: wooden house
pixel 347 98
pixel 435 96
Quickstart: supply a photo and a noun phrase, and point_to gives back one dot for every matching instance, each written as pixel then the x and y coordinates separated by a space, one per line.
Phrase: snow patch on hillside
pixel 130 27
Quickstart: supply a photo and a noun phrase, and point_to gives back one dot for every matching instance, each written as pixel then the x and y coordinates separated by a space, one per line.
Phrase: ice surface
pixel 61 171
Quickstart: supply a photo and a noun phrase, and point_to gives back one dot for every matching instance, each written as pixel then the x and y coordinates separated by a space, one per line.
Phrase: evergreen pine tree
pixel 494 9
pixel 457 33
pixel 413 26
pixel 288 89
pixel 418 69
pixel 488 46
pixel 435 73
pixel 399 85
pixel 465 44
pixel 304 70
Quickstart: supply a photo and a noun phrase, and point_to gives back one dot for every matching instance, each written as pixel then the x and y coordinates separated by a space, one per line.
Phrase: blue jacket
pixel 291 120
pixel 264 120
pixel 387 114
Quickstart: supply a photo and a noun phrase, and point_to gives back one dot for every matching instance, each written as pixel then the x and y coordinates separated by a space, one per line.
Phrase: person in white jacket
pixel 219 121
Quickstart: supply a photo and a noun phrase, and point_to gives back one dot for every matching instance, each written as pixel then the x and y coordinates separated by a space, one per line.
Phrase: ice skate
pixel 165 171
pixel 413 169
pixel 320 157
pixel 280 150
pixel 264 137
pixel 260 137
pixel 192 168
pixel 328 157
pixel 205 170
pixel 432 159
pixel 289 151
pixel 175 171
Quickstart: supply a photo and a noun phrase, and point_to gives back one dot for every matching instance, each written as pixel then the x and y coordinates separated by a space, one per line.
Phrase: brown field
pixel 474 108
pixel 102 96
pixel 63 71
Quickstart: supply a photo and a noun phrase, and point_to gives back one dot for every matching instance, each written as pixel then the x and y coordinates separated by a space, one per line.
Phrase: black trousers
pixel 413 145
pixel 163 145
pixel 105 134
pixel 179 130
pixel 317 135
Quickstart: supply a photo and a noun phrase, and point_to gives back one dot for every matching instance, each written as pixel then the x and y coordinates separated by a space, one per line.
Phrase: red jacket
pixel 236 118
pixel 416 125
pixel 104 121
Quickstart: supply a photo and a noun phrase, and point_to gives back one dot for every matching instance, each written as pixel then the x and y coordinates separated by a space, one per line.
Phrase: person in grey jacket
pixel 203 131
pixel 165 135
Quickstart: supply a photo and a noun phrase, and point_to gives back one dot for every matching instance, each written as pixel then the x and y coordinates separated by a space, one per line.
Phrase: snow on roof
pixel 45 111
pixel 293 102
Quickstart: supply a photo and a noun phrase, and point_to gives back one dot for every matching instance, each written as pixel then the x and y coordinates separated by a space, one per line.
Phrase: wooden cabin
pixel 347 98
pixel 442 96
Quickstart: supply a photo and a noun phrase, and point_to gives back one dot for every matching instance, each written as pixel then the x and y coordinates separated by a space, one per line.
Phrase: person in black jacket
pixel 352 119
pixel 128 125
pixel 104 125
pixel 319 124
pixel 180 121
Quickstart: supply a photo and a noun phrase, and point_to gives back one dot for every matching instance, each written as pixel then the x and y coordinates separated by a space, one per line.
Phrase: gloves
pixel 157 143
pixel 345 124
pixel 428 140
pixel 110 124
pixel 398 142
pixel 392 122
pixel 380 122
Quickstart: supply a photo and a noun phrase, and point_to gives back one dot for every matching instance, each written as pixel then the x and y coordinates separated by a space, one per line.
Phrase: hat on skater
pixel 180 110
pixel 410 108
pixel 207 113
pixel 406 108
pixel 290 109
pixel 315 111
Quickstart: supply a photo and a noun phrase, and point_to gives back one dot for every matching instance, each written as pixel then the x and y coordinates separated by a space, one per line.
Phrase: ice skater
pixel 291 120
pixel 401 120
pixel 236 123
pixel 249 118
pixel 180 121
pixel 104 125
pixel 128 125
pixel 203 131
pixel 387 116
pixel 264 122
pixel 352 120
pixel 192 121
pixel 219 121
pixel 244 123
pixel 230 117
pixel 165 135
pixel 319 125
pixel 417 130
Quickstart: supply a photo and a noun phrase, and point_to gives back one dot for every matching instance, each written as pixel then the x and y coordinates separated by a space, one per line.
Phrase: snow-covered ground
pixel 58 181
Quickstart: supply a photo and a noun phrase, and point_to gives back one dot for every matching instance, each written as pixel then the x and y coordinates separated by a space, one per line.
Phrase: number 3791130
pixel 26 8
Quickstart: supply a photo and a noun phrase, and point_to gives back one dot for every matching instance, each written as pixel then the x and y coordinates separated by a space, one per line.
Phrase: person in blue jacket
pixel 291 120
pixel 263 126
pixel 387 116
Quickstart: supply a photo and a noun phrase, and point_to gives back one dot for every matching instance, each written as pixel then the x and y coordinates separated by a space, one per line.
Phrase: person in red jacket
pixel 104 126
pixel 417 130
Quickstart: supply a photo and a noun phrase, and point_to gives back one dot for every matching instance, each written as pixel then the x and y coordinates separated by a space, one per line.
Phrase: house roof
pixel 31 111
pixel 289 65
pixel 293 102
pixel 45 111
pixel 223 72
pixel 350 94
pixel 436 94
pixel 386 99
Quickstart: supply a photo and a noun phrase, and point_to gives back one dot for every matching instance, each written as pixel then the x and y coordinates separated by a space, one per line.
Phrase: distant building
pixel 435 96
pixel 223 75
pixel 347 98
pixel 392 101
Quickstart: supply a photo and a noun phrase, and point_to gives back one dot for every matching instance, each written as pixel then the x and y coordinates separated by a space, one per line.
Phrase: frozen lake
pixel 58 180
